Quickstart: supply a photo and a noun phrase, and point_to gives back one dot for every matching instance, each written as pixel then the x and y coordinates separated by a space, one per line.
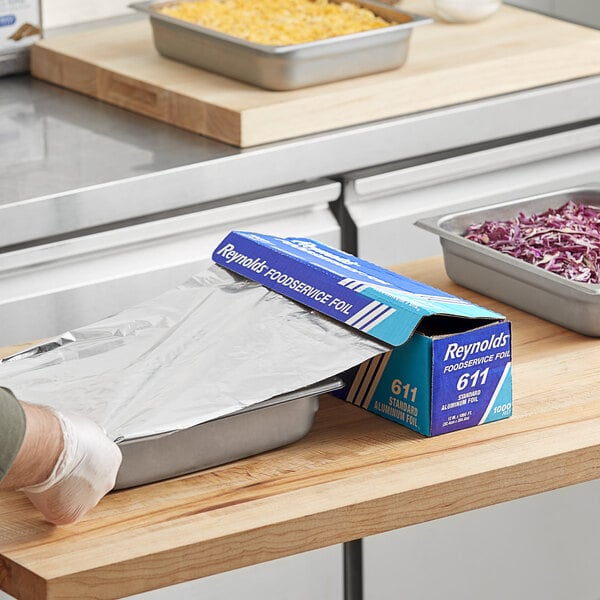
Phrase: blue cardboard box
pixel 449 363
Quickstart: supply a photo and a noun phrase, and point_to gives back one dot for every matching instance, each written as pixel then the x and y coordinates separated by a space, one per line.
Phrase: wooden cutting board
pixel 448 64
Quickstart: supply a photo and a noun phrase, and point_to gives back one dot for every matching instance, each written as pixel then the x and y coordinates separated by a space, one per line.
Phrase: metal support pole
pixel 353 570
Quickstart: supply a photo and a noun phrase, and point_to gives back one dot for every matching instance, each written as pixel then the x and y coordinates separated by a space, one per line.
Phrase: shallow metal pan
pixel 261 427
pixel 286 67
pixel 572 304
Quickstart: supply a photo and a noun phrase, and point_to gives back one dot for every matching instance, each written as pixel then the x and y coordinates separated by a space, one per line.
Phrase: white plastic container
pixel 466 11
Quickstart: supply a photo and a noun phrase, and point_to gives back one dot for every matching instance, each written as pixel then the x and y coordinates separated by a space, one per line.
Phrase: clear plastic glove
pixel 85 471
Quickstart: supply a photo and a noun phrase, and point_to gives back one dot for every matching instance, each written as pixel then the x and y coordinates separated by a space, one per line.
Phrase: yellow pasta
pixel 277 22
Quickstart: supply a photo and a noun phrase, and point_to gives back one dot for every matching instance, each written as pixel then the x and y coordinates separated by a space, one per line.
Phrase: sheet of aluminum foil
pixel 213 346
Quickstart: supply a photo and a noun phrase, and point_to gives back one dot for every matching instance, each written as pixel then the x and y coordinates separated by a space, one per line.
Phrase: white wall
pixel 58 13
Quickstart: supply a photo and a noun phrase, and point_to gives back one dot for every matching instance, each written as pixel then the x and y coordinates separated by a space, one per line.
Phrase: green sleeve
pixel 12 429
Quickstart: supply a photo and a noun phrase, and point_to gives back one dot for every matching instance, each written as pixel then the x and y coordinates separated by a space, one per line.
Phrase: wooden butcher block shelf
pixel 354 475
pixel 448 64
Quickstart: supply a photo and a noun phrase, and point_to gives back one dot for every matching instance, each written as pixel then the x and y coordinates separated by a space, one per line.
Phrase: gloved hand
pixel 86 470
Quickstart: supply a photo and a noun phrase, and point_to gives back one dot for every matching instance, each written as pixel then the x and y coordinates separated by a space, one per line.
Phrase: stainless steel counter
pixel 69 162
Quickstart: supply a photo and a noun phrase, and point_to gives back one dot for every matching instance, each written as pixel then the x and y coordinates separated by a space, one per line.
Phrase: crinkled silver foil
pixel 210 347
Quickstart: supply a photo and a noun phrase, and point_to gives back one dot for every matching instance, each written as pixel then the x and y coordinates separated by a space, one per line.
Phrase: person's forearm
pixel 41 447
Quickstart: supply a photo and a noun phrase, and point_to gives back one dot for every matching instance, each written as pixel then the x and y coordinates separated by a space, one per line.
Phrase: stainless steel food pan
pixel 264 426
pixel 571 304
pixel 286 67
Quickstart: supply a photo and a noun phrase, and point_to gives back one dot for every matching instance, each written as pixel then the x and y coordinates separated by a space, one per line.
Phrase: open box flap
pixel 366 297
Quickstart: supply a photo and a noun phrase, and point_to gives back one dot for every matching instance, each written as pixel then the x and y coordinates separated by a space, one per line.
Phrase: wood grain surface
pixel 355 474
pixel 448 64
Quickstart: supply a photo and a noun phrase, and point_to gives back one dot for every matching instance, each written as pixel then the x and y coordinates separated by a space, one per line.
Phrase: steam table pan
pixel 572 304
pixel 276 422
pixel 286 67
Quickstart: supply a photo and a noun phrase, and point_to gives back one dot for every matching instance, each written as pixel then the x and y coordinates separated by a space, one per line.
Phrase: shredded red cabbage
pixel 563 240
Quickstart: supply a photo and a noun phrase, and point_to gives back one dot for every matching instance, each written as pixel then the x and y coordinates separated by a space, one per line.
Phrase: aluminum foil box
pixel 439 383
pixel 449 366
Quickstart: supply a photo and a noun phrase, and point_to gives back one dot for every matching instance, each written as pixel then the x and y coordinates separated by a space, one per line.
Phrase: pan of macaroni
pixel 283 44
